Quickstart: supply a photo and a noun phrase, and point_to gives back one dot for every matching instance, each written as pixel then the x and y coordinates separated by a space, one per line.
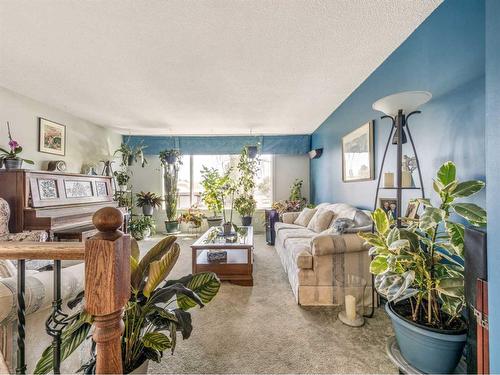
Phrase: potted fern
pixel 158 309
pixel 148 202
pixel 420 271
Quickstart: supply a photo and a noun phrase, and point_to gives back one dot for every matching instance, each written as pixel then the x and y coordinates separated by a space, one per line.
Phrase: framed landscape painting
pixel 52 137
pixel 357 154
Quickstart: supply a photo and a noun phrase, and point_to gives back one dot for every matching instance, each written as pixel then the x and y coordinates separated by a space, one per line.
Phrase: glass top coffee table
pixel 229 257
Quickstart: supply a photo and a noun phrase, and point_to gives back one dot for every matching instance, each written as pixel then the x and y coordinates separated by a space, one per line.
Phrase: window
pixel 190 178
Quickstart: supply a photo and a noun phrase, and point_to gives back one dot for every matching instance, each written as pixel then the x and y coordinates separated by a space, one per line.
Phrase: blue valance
pixel 223 145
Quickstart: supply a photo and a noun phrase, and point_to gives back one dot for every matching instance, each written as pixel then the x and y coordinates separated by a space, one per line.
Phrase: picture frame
pixel 390 207
pixel 52 137
pixel 412 209
pixel 358 162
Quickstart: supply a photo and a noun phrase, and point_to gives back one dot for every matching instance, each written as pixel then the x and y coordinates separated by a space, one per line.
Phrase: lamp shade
pixel 407 101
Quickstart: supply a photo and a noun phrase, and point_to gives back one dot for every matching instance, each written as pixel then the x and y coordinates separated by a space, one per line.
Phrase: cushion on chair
pixel 4 217
pixel 305 216
pixel 321 220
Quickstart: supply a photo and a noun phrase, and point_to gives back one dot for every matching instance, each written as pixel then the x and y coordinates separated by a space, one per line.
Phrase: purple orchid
pixel 13 145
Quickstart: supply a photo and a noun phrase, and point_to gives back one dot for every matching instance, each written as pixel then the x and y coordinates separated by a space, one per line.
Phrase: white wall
pixel 286 168
pixel 85 142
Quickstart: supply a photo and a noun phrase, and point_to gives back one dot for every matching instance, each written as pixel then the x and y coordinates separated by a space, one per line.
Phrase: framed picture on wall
pixel 52 137
pixel 357 154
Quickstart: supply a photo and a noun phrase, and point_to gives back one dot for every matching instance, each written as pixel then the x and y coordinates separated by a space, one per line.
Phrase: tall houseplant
pixel 420 271
pixel 171 162
pixel 247 169
pixel 151 311
pixel 11 157
pixel 213 182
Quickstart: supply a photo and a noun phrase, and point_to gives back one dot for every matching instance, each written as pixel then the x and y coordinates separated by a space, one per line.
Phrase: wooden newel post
pixel 107 287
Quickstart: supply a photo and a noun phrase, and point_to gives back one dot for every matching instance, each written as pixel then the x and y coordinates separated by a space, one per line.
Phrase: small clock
pixel 57 165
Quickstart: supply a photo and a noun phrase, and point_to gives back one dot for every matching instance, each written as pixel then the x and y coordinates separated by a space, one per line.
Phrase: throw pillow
pixel 321 220
pixel 305 216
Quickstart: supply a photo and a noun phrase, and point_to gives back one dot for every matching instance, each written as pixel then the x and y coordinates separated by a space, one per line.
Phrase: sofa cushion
pixel 305 216
pixel 279 226
pixel 321 220
pixel 286 234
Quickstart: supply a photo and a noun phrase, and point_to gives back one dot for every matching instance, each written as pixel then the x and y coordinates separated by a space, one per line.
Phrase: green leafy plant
pixel 139 225
pixel 122 178
pixel 423 264
pixel 170 156
pixel 132 154
pixel 171 162
pixel 153 315
pixel 213 194
pixel 193 215
pixel 148 199
pixel 248 169
pixel 124 199
pixel 296 190
pixel 14 150
pixel 245 205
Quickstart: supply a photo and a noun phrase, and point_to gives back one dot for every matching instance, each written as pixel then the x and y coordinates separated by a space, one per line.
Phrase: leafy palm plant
pixel 153 315
pixel 423 264
pixel 148 199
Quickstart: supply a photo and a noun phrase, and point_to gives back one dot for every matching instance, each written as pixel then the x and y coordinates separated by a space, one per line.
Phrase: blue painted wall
pixel 445 56
pixel 493 174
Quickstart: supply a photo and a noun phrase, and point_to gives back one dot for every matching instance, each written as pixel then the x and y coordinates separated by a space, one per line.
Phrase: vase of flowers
pixel 10 158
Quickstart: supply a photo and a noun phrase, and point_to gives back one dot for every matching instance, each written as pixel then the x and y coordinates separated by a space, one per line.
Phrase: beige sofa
pixel 319 264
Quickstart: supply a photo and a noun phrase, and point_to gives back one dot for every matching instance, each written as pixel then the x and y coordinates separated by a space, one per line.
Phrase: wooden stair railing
pixel 107 287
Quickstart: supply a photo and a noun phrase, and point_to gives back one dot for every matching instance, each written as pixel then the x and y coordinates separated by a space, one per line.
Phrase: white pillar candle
pixel 350 307
pixel 388 179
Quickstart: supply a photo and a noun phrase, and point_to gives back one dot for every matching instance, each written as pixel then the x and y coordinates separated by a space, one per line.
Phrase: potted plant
pixel 142 227
pixel 245 205
pixel 148 202
pixel 248 168
pixel 131 155
pixel 170 156
pixel 157 310
pixel 228 191
pixel 420 271
pixel 11 157
pixel 171 167
pixel 192 216
pixel 213 195
pixel 122 179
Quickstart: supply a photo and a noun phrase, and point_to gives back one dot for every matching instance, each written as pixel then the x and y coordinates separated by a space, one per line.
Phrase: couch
pixel 318 264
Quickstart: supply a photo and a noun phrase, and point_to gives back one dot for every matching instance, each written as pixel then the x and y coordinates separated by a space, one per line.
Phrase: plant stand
pixel 394 354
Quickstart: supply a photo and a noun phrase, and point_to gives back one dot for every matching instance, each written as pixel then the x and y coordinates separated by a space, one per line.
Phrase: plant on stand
pixel 122 179
pixel 245 203
pixel 131 154
pixel 420 271
pixel 171 162
pixel 213 196
pixel 156 311
pixel 148 202
pixel 142 227
pixel 11 157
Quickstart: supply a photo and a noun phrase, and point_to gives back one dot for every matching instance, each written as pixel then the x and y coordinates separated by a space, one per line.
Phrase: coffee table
pixel 238 266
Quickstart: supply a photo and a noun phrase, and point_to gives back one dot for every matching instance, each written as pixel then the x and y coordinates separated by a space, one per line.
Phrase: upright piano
pixel 57 202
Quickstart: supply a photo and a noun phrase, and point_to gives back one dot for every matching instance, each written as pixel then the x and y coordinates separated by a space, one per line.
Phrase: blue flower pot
pixel 431 351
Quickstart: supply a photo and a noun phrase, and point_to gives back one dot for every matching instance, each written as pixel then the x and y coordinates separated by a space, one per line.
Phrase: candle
pixel 407 180
pixel 388 179
pixel 350 307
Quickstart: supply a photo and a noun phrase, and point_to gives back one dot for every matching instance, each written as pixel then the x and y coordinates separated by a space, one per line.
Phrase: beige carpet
pixel 260 329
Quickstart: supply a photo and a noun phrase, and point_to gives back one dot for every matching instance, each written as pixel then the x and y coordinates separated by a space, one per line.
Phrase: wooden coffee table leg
pixel 194 254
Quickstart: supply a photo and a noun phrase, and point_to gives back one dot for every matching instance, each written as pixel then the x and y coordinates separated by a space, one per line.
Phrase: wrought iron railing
pixel 107 288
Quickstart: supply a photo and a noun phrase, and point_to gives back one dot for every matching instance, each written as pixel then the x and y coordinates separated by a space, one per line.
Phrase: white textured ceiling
pixel 200 67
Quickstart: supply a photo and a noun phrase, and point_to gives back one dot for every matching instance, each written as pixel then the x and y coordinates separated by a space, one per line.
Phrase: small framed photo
pixel 52 137
pixel 412 210
pixel 390 207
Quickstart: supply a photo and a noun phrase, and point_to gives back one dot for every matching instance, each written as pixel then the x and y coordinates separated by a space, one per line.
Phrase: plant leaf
pixel 393 236
pixel 431 217
pixel 381 221
pixel 166 293
pixel 156 340
pixel 468 188
pixel 378 265
pixel 471 212
pixel 399 244
pixel 155 253
pixel 411 237
pixel 372 239
pixel 134 249
pixel 447 173
pixel 205 285
pixel 159 269
pixel 395 287
pixel 184 319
